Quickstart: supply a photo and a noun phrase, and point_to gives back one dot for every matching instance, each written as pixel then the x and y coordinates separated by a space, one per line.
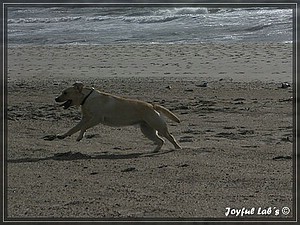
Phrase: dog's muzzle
pixel 66 104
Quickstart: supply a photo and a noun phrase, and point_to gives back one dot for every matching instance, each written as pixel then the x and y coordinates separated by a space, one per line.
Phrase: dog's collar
pixel 83 101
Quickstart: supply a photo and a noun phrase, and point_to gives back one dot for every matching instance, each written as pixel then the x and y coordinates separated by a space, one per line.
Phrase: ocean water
pixel 150 25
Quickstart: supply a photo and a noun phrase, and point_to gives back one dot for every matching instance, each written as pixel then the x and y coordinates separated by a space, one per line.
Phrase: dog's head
pixel 71 96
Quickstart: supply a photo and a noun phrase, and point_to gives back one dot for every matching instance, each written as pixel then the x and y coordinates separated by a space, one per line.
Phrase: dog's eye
pixel 64 93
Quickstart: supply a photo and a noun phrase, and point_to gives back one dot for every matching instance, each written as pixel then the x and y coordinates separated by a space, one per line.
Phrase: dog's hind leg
pixel 152 135
pixel 165 133
pixel 157 123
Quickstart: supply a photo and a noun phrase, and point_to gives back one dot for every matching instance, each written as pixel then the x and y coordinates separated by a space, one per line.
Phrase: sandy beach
pixel 236 133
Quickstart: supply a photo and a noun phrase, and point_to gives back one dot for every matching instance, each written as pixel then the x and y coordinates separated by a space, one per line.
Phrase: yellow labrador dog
pixel 99 107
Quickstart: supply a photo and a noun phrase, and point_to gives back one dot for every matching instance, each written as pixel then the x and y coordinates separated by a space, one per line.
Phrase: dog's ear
pixel 78 86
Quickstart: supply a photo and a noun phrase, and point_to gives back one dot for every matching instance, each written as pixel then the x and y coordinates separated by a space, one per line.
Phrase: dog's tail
pixel 166 112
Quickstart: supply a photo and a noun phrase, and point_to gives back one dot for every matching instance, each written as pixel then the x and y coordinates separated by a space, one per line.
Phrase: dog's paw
pixel 60 136
pixel 49 137
pixel 79 138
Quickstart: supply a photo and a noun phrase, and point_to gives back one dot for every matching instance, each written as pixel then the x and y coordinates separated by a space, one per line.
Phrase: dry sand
pixel 236 133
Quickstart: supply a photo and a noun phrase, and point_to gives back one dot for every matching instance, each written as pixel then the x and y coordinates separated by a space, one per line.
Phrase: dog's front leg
pixel 72 130
pixel 88 124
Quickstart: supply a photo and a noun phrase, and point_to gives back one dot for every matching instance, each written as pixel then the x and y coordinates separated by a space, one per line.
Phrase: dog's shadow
pixel 70 156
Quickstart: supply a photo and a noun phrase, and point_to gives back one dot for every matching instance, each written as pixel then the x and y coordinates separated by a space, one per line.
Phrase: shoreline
pixel 149 44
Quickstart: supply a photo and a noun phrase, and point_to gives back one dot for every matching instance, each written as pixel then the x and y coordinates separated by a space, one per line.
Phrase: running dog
pixel 99 107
